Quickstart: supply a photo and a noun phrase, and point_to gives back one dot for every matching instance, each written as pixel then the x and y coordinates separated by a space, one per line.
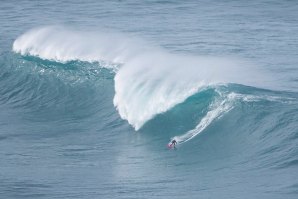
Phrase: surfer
pixel 173 143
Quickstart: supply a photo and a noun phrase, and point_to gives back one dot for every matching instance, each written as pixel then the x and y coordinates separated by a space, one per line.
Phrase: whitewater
pixel 91 94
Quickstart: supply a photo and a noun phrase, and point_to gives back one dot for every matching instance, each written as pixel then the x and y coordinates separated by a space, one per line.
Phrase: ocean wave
pixel 148 80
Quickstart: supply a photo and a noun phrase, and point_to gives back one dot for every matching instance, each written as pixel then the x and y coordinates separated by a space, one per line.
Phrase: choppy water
pixel 91 93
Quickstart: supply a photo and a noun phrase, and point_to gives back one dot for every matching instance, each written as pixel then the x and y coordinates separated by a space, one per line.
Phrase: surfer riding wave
pixel 172 144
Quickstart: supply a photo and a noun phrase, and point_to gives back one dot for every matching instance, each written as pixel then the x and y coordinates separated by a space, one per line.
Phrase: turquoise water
pixel 91 94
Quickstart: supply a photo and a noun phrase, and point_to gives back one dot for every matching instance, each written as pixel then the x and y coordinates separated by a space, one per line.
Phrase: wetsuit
pixel 174 142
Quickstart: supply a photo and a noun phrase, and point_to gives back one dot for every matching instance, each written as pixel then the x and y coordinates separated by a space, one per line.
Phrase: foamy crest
pixel 62 45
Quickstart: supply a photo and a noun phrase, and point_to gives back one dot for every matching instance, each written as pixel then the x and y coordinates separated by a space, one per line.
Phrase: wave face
pixel 88 112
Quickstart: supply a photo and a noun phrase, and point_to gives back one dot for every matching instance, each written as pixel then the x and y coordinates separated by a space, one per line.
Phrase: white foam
pixel 62 45
pixel 257 98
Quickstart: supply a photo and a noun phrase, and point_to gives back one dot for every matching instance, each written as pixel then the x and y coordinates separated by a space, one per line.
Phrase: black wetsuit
pixel 174 142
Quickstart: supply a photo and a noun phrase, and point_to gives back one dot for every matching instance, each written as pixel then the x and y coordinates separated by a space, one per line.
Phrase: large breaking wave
pixel 148 80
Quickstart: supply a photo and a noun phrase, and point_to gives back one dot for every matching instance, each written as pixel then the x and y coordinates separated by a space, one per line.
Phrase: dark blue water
pixel 92 92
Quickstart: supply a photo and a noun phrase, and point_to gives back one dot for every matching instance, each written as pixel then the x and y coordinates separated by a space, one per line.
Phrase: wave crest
pixel 63 45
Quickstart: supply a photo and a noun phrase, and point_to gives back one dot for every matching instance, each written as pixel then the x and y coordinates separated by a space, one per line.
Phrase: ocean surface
pixel 91 93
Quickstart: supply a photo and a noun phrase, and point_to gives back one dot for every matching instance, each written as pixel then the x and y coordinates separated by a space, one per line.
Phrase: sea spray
pixel 64 44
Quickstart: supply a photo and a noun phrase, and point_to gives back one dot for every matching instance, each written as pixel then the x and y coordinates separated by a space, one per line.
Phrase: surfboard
pixel 171 146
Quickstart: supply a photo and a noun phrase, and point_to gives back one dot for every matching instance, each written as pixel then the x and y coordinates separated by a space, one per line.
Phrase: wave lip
pixel 156 82
pixel 146 88
pixel 63 45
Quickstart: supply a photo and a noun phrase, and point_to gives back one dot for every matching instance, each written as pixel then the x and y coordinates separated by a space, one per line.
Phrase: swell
pixel 45 91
